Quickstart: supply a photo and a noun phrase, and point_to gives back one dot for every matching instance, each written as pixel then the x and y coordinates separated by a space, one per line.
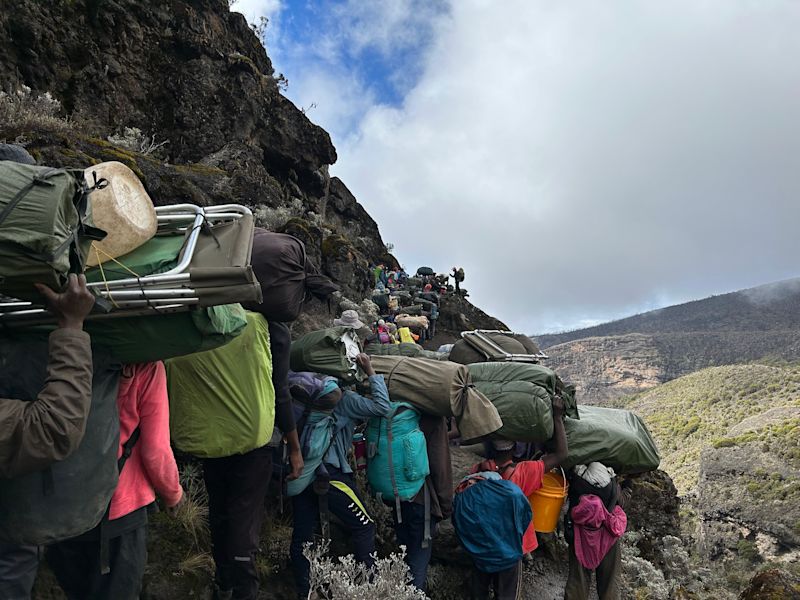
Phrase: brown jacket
pixel 440 481
pixel 35 434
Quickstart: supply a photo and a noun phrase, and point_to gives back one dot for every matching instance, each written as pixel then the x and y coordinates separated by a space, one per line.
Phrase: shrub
pixel 134 140
pixel 345 579
pixel 22 111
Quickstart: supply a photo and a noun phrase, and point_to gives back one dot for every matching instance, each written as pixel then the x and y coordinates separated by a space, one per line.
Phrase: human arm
pixel 554 459
pixel 34 434
pixel 280 343
pixel 153 445
pixel 356 406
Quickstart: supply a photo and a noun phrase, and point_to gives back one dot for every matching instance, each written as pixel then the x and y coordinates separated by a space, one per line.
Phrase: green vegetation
pixel 725 407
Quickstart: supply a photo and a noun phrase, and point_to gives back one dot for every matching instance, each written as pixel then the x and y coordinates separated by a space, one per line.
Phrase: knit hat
pixel 349 319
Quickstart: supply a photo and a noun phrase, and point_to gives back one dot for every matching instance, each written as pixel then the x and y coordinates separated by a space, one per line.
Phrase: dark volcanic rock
pixel 190 72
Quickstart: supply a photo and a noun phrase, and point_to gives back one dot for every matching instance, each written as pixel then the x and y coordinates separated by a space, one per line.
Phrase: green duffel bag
pixel 45 227
pixel 162 336
pixel 615 437
pixel 401 349
pixel 330 351
pixel 415 310
pixel 524 407
pixel 152 337
pixel 534 373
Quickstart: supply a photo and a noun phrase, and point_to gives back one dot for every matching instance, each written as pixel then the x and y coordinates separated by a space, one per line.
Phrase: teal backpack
pixel 397 455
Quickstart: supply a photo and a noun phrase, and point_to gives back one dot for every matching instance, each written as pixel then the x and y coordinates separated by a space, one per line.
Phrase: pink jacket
pixel 151 468
pixel 596 529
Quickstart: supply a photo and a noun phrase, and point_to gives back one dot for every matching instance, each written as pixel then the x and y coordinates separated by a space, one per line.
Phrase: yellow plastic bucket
pixel 546 502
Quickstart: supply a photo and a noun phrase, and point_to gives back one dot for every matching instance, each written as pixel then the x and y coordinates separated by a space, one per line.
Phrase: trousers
pixel 237 487
pixel 345 504
pixel 607 573
pixel 506 584
pixel 411 533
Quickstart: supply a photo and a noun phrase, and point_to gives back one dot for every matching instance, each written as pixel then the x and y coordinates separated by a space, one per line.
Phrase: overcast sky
pixel 582 161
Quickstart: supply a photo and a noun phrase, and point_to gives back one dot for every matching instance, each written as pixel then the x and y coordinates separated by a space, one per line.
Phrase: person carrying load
pixel 327 484
pixel 528 475
pixel 36 434
pixel 594 522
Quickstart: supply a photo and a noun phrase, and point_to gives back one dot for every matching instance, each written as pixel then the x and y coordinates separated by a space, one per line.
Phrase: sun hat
pixel 349 319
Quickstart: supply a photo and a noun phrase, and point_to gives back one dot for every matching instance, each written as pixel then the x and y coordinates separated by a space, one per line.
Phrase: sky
pixel 582 161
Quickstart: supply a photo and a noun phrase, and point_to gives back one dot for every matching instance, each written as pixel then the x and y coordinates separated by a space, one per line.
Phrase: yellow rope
pixel 97 252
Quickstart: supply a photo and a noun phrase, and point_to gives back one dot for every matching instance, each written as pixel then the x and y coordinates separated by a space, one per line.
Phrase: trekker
pixel 35 434
pixel 594 523
pixel 528 476
pixel 411 531
pixel 82 564
pixel 223 406
pixel 458 276
pixel 329 486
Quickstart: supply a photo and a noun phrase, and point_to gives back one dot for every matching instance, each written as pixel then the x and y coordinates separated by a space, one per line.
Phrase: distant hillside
pixel 631 355
pixel 730 437
pixel 771 307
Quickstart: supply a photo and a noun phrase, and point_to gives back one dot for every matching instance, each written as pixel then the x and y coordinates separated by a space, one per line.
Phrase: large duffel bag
pixel 330 351
pixel 286 276
pixel 414 310
pixel 222 402
pixel 154 337
pixel 70 496
pixel 403 320
pixel 404 349
pixel 524 407
pixel 534 373
pixel 510 371
pixel 615 437
pixel 440 388
pixel 45 227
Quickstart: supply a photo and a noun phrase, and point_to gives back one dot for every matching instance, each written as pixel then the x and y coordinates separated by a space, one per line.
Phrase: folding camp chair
pixel 481 342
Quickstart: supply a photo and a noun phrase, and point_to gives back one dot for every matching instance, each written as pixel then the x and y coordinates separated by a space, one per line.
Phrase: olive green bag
pixel 45 227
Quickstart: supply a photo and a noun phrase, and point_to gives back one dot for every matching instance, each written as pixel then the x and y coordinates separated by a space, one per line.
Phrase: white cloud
pixel 586 160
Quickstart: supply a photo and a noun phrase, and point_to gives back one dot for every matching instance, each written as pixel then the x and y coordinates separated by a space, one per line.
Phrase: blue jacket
pixel 352 409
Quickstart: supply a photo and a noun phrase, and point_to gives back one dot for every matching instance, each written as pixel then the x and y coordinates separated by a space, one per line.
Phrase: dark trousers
pixel 76 565
pixel 411 533
pixel 237 486
pixel 506 584
pixel 343 503
pixel 607 573
pixel 18 566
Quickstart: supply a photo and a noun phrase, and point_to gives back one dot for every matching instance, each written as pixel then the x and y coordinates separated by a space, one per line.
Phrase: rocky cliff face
pixel 605 368
pixel 193 76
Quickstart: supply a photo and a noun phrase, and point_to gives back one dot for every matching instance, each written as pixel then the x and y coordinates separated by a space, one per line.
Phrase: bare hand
pixel 296 463
pixel 363 361
pixel 172 511
pixel 72 305
pixel 558 406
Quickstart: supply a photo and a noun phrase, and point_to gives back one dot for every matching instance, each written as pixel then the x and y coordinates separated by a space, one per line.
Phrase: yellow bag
pixel 405 335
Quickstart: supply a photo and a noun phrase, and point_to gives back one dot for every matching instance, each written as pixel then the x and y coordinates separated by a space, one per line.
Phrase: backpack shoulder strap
pixel 127 448
pixel 390 436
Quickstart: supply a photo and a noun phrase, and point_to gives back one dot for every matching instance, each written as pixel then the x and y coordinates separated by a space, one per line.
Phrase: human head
pixel 503 450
